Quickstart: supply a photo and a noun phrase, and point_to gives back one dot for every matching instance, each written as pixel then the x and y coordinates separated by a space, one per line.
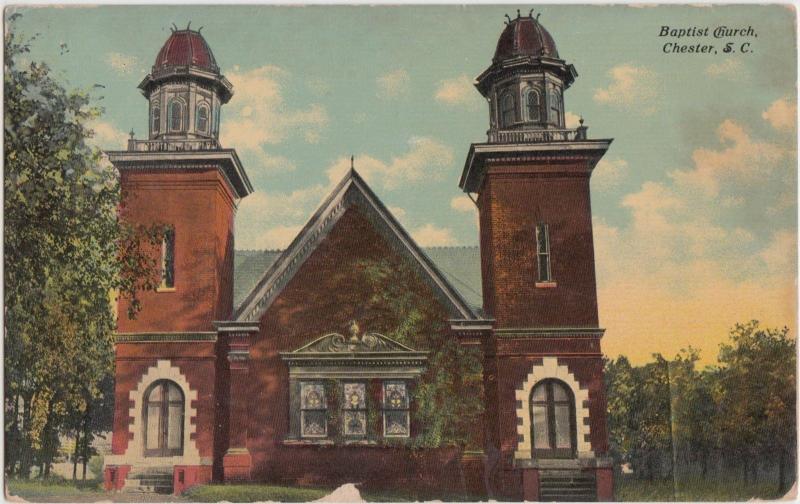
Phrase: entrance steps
pixel 567 486
pixel 151 480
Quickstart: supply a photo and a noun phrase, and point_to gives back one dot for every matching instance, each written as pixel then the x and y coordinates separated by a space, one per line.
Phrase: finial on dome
pixel 509 18
pixel 188 25
pixel 581 121
pixel 530 14
pixel 518 14
pixel 352 157
pixel 132 133
pixel 537 16
pixel 174 28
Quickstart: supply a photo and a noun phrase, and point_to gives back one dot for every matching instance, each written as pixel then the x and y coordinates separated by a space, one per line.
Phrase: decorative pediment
pixel 355 342
pixel 357 351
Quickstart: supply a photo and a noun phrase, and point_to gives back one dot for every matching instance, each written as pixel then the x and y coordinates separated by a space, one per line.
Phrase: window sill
pixel 165 289
pixel 360 443
pixel 545 285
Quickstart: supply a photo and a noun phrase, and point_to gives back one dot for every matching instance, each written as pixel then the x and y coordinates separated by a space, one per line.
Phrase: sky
pixel 694 204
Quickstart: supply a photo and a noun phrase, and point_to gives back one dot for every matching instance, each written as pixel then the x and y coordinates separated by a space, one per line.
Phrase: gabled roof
pixel 351 191
pixel 461 266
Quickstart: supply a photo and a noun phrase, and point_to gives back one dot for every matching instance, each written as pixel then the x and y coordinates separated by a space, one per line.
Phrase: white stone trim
pixel 134 454
pixel 549 368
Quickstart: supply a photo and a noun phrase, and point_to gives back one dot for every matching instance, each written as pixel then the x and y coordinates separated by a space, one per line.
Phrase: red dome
pixel 186 48
pixel 524 36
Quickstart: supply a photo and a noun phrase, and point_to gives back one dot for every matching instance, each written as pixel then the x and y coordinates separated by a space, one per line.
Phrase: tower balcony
pixel 536 135
pixel 173 145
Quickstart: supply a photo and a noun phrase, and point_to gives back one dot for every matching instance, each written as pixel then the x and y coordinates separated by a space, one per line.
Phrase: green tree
pixel 66 251
pixel 756 397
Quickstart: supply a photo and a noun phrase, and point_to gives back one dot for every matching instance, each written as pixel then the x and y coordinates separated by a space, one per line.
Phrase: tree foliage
pixel 668 419
pixel 66 252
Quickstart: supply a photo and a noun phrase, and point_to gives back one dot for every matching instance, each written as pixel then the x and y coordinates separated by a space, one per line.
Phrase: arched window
pixel 156 117
pixel 553 420
pixel 163 419
pixel 202 118
pixel 507 110
pixel 533 103
pixel 175 115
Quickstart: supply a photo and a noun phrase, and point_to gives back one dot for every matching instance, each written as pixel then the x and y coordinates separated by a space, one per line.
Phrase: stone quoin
pixel 225 373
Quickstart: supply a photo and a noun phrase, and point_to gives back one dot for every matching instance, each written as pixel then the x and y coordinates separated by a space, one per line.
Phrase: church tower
pixel 181 178
pixel 545 433
pixel 169 423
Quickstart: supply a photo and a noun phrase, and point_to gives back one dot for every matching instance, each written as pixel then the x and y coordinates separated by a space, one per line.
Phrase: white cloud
pixel 426 158
pixel 259 116
pixel 632 88
pixel 782 114
pixel 123 63
pixel 457 91
pixel 609 173
pixel 463 204
pixel 393 84
pixel 731 67
pixel 687 267
pixel 431 235
pixel 107 136
pixel 571 120
pixel 741 160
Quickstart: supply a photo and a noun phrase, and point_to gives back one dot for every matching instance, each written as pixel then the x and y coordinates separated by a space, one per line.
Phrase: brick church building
pixel 267 366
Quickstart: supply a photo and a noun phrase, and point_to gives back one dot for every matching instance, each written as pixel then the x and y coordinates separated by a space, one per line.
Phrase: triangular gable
pixel 352 190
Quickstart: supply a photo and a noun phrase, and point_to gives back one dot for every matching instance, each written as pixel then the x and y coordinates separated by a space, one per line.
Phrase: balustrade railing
pixel 178 145
pixel 537 136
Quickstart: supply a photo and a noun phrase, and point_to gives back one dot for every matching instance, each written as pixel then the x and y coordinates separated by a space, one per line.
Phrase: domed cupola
pixel 186 90
pixel 525 84
pixel 524 36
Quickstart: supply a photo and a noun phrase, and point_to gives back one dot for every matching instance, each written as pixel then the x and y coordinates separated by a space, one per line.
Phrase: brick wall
pixel 199 206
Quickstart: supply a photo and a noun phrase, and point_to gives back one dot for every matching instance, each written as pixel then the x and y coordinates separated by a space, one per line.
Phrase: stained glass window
pixel 395 409
pixel 313 410
pixel 553 419
pixel 354 404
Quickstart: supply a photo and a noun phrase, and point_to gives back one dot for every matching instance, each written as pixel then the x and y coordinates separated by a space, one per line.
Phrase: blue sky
pixel 694 204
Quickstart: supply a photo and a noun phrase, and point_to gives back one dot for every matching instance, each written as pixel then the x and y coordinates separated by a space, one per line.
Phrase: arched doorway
pixel 553 420
pixel 163 419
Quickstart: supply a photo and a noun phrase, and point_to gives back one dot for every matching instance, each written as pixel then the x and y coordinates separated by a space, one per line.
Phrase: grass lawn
pixel 631 489
pixel 251 493
pixel 41 491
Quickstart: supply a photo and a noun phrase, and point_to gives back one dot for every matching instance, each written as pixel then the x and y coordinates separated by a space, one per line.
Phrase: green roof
pixel 460 265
